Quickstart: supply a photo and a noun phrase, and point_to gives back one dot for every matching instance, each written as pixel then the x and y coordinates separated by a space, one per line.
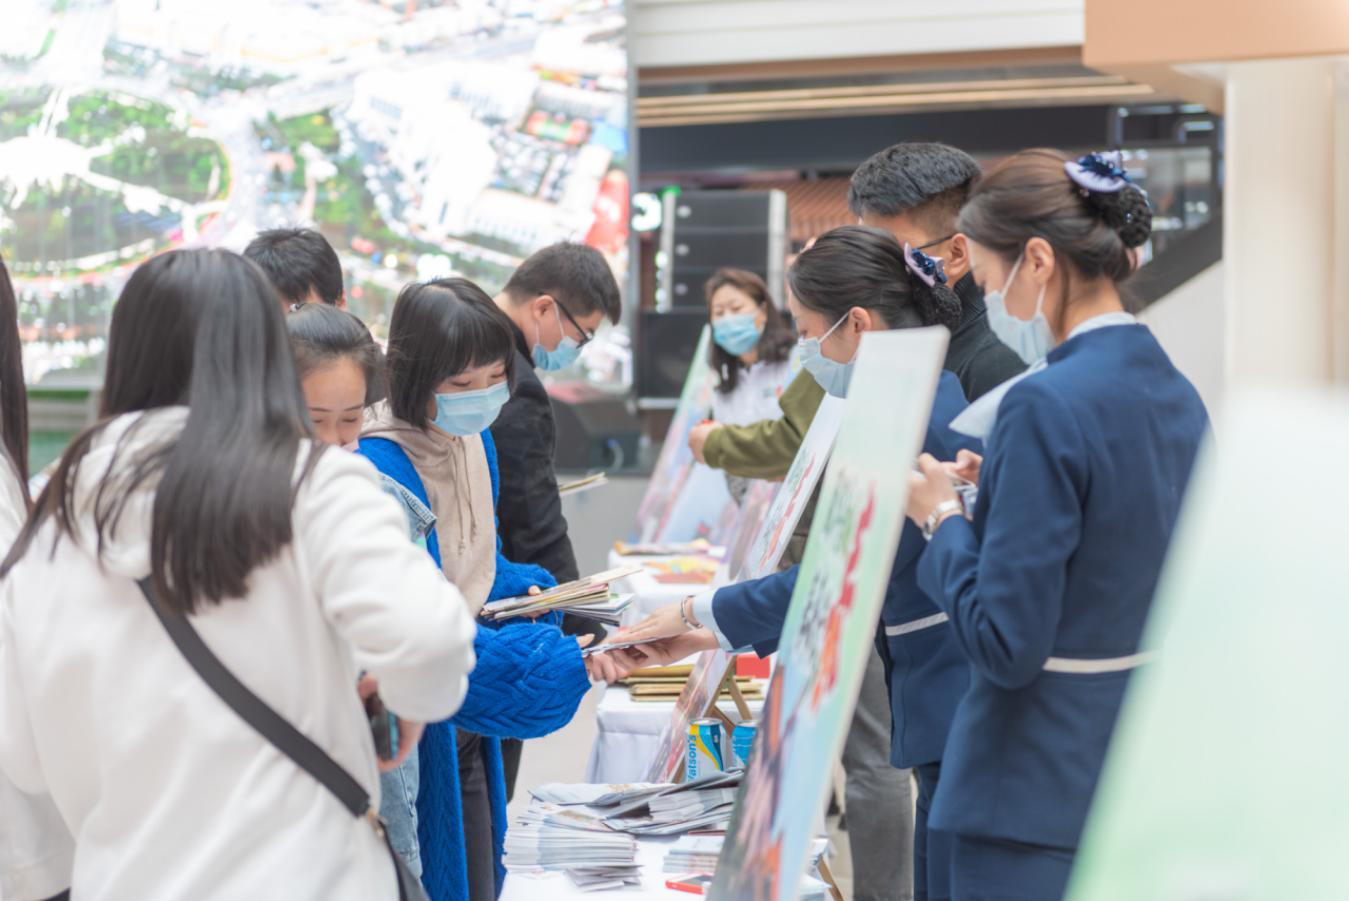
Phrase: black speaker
pixel 744 248
pixel 665 346
pixel 687 282
pixel 720 209
pixel 595 429
pixel 703 231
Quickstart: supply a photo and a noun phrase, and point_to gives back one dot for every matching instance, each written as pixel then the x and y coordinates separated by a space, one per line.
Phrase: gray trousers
pixel 878 799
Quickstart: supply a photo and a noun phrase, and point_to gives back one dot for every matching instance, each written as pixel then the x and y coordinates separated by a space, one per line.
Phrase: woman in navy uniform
pixel 852 280
pixel 1048 587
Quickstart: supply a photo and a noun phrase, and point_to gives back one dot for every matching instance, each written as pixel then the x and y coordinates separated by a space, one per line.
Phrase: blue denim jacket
pixel 398 788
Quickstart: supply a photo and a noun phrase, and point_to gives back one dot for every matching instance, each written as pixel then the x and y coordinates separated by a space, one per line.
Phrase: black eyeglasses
pixel 936 242
pixel 586 337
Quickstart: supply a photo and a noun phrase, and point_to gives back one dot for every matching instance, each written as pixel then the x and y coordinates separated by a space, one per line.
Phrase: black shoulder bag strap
pixel 277 730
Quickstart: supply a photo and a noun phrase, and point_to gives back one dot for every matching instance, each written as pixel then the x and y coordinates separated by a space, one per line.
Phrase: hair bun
pixel 1126 211
pixel 937 304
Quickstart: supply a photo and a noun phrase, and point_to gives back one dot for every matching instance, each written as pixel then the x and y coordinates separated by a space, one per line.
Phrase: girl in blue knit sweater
pixel 529 678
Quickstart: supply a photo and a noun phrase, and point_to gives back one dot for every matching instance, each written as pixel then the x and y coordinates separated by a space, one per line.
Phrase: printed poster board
pixel 831 624
pixel 1227 775
pixel 754 509
pixel 687 499
pixel 661 516
pixel 771 531
pixel 779 524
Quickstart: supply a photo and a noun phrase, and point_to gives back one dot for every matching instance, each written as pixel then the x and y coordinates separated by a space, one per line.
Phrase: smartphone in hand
pixel 382 727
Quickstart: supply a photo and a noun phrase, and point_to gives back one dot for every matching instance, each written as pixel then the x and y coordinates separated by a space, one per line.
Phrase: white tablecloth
pixel 629 734
pixel 650 595
pixel 556 886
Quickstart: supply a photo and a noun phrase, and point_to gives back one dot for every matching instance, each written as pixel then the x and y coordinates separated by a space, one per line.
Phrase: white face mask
pixel 1032 339
pixel 833 376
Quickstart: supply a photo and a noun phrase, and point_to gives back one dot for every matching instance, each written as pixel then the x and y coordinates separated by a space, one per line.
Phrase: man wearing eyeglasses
pixel 555 301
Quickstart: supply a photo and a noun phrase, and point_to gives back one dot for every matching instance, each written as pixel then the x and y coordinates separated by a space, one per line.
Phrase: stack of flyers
pixel 587 793
pixel 593 592
pixel 556 816
pixel 561 848
pixel 694 854
pixel 599 879
pixel 690 804
pixel 715 820
pixel 637 800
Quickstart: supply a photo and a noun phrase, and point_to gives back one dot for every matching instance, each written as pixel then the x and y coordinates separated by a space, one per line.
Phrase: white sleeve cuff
pixel 702 612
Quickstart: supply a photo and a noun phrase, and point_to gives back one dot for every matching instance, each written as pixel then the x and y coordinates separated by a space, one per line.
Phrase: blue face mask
pixel 563 355
pixel 1030 338
pixel 467 413
pixel 831 375
pixel 736 334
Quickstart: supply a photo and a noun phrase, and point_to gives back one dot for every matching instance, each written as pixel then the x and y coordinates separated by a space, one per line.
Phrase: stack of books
pixel 664 683
pixel 592 597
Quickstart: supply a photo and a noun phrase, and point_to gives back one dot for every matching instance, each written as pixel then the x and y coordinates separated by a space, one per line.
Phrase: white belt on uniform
pixel 1074 665
pixel 1083 666
pixel 915 625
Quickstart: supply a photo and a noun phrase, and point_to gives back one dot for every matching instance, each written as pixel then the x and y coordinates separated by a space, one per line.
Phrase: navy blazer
pixel 1079 493
pixel 925 670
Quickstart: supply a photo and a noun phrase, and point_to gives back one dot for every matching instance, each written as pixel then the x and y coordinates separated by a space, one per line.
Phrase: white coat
pixel 168 793
pixel 36 850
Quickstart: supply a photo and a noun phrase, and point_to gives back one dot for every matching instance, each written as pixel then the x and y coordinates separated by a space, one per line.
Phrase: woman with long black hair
pixel 202 478
pixel 36 851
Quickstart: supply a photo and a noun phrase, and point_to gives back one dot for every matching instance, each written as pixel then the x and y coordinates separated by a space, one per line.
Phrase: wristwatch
pixel 939 515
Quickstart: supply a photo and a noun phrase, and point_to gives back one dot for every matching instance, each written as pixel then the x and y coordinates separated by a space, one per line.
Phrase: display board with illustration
pixel 1227 772
pixel 675 466
pixel 777 526
pixel 831 624
pixel 755 507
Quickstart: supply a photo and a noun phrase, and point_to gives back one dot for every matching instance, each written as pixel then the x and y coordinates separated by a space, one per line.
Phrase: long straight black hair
pixel 201 328
pixel 13 394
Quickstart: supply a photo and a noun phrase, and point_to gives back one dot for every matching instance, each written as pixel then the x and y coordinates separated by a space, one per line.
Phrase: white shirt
pixel 36 849
pixel 978 418
pixel 755 397
pixel 169 794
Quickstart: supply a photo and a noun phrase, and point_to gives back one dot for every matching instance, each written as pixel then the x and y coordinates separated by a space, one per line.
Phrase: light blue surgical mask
pixel 831 375
pixel 1030 338
pixel 467 413
pixel 565 354
pixel 737 334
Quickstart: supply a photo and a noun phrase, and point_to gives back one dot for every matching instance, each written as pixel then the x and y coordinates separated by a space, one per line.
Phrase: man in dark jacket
pixel 555 301
pixel 914 191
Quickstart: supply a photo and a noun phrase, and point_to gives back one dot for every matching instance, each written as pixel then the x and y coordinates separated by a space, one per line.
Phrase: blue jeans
pixel 398 807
